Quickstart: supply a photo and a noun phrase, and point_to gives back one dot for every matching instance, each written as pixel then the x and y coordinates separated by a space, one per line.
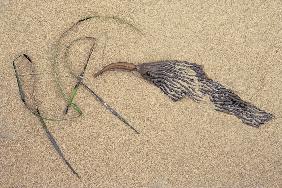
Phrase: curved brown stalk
pixel 117 66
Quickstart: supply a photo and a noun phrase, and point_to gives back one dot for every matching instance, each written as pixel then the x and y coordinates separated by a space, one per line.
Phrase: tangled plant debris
pixel 177 79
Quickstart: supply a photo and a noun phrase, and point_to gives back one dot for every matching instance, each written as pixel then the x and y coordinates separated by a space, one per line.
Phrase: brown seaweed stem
pixel 117 66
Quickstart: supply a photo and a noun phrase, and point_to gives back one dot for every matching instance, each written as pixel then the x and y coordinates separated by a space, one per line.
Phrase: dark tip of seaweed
pixel 66 109
pixel 22 95
pixel 27 57
pixel 84 19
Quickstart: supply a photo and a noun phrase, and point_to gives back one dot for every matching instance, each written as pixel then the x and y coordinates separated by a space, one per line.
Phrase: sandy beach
pixel 181 144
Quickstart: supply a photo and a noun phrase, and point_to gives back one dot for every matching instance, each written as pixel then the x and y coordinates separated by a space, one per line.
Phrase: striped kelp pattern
pixel 176 79
pixel 180 78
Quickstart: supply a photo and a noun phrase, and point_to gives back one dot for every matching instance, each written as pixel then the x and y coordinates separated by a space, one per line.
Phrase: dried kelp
pixel 24 66
pixel 178 79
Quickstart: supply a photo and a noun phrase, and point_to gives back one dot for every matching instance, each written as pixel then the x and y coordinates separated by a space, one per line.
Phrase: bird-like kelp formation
pixel 178 79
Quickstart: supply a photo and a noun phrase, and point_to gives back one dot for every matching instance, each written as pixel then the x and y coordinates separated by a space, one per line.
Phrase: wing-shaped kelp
pixel 178 79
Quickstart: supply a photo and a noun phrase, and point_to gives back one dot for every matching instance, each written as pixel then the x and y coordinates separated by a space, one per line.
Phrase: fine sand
pixel 181 144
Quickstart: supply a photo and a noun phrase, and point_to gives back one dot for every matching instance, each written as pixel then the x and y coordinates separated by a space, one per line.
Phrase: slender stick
pixel 56 50
pixel 98 98
pixel 22 95
pixel 108 107
pixel 34 110
pixel 79 80
pixel 54 143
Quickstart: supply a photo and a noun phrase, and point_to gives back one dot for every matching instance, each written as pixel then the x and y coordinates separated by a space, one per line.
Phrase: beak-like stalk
pixel 117 66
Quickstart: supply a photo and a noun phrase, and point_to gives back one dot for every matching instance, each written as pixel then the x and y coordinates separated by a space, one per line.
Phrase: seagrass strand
pixel 80 81
pixel 81 75
pixel 23 65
